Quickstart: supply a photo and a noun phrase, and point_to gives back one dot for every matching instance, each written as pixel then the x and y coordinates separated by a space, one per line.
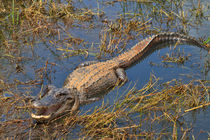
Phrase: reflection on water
pixel 42 42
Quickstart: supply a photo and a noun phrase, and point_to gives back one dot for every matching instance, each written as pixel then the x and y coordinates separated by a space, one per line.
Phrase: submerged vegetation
pixel 39 38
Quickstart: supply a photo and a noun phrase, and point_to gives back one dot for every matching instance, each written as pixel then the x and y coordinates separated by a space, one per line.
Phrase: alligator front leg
pixel 121 74
pixel 89 100
pixel 87 63
pixel 84 99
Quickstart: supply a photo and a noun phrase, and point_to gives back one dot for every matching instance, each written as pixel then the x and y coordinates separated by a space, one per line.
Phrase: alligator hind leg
pixel 121 74
pixel 87 63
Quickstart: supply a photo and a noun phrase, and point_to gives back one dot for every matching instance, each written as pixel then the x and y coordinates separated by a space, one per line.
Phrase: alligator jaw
pixel 45 112
pixel 40 116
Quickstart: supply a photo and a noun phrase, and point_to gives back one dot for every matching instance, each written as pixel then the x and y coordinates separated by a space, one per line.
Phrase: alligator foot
pixel 89 100
pixel 121 74
pixel 87 63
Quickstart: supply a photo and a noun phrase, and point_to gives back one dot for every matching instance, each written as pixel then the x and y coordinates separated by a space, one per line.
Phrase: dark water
pixel 141 72
pixel 138 74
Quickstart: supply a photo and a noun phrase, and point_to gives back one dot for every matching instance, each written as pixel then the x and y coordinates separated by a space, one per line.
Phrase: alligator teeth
pixel 40 116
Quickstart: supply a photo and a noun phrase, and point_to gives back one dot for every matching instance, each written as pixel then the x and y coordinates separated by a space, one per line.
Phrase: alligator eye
pixel 70 98
pixel 60 94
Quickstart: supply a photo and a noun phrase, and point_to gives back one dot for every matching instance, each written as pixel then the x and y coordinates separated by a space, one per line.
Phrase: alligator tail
pixel 155 42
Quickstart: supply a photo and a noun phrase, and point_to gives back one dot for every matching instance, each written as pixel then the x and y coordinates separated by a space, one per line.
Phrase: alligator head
pixel 54 103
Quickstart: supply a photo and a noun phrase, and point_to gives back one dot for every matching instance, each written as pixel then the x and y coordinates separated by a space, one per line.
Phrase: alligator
pixel 92 78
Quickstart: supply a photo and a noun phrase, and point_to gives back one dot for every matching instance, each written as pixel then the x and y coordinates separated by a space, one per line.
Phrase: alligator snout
pixel 54 103
pixel 44 112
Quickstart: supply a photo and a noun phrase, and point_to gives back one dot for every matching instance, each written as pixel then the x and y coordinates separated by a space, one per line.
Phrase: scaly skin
pixel 91 79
